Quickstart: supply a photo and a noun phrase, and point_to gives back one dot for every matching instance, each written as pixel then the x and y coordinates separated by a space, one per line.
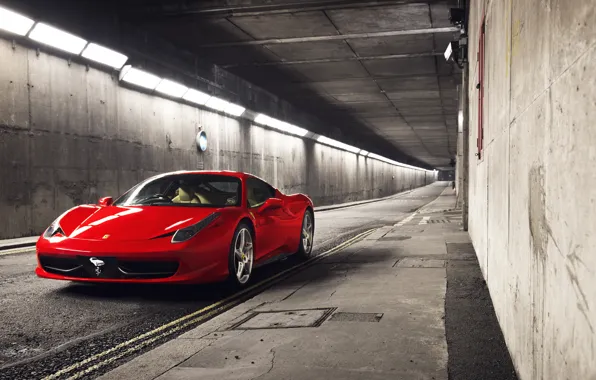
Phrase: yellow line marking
pixel 17 250
pixel 216 305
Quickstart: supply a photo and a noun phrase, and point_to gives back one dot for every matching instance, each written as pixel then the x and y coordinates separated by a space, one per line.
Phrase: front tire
pixel 241 256
pixel 307 235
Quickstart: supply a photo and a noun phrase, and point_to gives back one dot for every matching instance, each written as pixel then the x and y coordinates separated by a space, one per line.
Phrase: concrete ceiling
pixel 380 62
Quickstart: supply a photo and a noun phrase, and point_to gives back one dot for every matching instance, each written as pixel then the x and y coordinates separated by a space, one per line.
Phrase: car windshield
pixel 186 190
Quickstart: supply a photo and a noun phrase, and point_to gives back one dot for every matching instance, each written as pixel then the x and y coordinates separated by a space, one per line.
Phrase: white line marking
pixel 406 220
pixel 424 220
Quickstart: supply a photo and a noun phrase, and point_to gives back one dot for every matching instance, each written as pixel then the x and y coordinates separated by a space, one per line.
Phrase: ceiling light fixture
pixel 216 104
pixel 196 97
pixel 57 38
pixel 280 125
pixel 139 77
pixel 15 23
pixel 392 162
pixel 104 56
pixel 337 144
pixel 170 88
pixel 234 109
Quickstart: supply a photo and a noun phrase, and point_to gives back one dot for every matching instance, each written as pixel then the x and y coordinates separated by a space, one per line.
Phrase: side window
pixel 257 192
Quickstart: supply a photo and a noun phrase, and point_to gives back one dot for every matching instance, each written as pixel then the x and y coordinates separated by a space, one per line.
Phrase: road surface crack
pixel 270 368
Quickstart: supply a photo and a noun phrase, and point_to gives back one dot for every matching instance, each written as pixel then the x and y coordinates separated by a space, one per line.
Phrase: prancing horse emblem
pixel 98 264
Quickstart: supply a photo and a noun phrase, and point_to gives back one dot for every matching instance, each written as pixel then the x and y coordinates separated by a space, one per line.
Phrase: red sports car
pixel 179 227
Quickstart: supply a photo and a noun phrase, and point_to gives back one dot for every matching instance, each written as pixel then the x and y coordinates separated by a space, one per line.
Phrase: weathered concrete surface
pixel 532 192
pixel 70 135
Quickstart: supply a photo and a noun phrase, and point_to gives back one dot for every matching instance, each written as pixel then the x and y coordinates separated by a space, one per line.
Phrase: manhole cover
pixel 410 262
pixel 284 319
pixel 356 317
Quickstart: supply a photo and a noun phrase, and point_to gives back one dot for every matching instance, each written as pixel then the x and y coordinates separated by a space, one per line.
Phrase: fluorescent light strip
pixel 196 97
pixel 104 56
pixel 337 144
pixel 262 119
pixel 280 125
pixel 139 77
pixel 57 38
pixel 234 109
pixel 290 128
pixel 216 104
pixel 381 158
pixel 170 88
pixel 15 23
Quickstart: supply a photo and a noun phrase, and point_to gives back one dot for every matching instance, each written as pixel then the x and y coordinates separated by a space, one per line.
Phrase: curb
pixel 335 207
pixel 17 245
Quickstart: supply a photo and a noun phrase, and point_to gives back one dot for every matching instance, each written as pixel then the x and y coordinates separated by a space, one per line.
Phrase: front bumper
pixel 107 267
pixel 151 261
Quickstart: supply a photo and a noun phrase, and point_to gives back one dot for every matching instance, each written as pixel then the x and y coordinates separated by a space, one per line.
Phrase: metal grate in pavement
pixel 356 317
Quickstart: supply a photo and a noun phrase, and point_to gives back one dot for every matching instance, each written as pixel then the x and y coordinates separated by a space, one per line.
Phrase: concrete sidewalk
pixel 375 310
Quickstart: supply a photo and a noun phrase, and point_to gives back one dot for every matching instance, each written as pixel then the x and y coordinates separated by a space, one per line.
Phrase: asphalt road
pixel 48 324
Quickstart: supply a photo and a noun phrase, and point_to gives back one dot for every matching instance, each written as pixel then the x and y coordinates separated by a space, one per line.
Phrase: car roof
pixel 227 173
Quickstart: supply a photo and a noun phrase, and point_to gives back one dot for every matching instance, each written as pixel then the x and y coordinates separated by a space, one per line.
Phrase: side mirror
pixel 105 201
pixel 271 204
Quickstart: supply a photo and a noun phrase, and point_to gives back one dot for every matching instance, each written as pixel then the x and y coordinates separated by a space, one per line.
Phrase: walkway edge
pixel 358 203
pixel 26 242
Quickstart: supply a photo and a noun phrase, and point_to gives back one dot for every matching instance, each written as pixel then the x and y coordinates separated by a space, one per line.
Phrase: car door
pixel 268 223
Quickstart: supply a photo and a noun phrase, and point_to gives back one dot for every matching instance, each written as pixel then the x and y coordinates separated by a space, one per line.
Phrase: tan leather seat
pixel 185 196
pixel 203 197
pixel 250 197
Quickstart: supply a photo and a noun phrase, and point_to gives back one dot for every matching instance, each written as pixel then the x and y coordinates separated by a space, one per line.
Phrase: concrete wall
pixel 533 191
pixel 69 135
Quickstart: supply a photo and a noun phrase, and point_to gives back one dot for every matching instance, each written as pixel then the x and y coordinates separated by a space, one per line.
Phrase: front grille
pixel 107 267
pixel 148 269
pixel 68 266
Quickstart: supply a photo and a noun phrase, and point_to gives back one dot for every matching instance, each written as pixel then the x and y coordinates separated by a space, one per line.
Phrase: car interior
pixel 203 194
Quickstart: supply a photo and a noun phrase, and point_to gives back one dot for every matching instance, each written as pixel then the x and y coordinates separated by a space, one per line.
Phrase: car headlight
pixel 53 230
pixel 185 234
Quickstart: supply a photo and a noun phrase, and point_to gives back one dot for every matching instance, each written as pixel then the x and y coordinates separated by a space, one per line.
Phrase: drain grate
pixel 284 319
pixel 356 317
pixel 415 262
pixel 439 221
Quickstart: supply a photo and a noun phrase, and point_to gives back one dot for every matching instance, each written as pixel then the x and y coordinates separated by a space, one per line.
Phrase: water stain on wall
pixel 539 228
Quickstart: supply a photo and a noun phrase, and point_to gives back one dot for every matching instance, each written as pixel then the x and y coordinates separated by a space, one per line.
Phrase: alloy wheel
pixel 307 233
pixel 243 255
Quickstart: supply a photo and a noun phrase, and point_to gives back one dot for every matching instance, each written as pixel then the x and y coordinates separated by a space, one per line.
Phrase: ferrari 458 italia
pixel 180 227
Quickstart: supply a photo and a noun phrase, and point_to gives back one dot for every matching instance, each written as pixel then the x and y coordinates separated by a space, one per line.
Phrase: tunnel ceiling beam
pixel 237 8
pixel 330 60
pixel 335 37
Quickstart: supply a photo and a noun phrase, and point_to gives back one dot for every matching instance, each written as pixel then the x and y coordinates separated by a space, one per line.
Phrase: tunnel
pixel 308 189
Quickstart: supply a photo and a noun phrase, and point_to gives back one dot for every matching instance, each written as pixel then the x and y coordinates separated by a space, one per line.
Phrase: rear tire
pixel 241 256
pixel 307 235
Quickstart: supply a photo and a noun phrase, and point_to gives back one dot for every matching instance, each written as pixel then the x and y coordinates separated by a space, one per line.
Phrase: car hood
pixel 116 223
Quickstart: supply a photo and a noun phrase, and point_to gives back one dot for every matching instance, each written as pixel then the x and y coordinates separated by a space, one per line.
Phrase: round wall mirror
pixel 202 141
